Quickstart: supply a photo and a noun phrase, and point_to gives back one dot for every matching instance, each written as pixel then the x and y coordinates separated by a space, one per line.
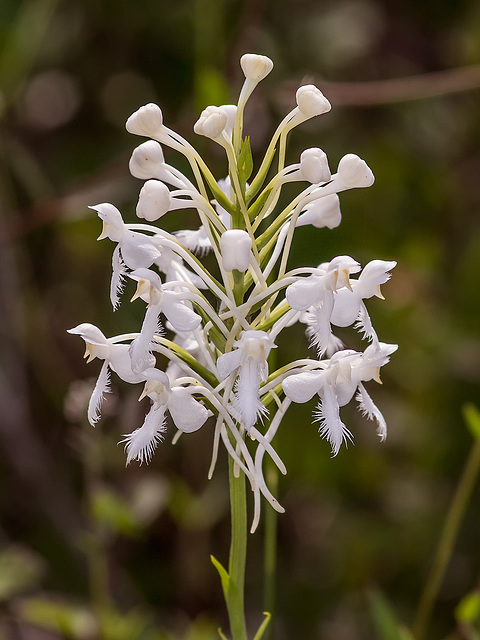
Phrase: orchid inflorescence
pixel 222 327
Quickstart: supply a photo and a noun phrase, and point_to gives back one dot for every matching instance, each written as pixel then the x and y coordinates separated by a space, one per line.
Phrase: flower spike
pixel 214 320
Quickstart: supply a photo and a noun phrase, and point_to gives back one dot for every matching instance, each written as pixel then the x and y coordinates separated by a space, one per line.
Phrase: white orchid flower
pixel 316 293
pixel 187 414
pixel 336 385
pixel 116 358
pixel 348 305
pixel 248 361
pixel 172 304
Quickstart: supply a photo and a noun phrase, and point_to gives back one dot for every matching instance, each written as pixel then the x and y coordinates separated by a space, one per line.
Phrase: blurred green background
pixel 79 534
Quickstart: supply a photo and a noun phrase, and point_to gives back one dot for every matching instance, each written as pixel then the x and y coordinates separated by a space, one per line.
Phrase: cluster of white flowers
pixel 221 327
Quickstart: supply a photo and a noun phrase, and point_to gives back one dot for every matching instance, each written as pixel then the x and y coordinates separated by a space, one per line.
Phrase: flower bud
pixel 154 200
pixel 146 160
pixel 146 121
pixel 311 101
pixel 235 246
pixel 211 123
pixel 355 172
pixel 314 166
pixel 255 67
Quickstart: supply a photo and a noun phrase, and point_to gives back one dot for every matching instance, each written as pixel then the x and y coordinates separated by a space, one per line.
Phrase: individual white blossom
pixel 336 385
pixel 159 301
pixel 213 320
pixel 116 358
pixel 187 413
pixel 317 294
pixel 248 363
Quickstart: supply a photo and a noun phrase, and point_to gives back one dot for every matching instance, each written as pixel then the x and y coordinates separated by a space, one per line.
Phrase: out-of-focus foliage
pixel 95 543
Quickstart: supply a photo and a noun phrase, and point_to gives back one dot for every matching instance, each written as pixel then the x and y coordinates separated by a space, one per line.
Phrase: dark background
pixel 79 534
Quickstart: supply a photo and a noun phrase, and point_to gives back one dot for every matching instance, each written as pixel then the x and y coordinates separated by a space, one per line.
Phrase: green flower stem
pixel 238 554
pixel 447 541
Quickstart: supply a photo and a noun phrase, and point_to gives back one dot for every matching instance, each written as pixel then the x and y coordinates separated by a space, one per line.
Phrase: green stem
pixel 447 540
pixel 238 554
pixel 270 549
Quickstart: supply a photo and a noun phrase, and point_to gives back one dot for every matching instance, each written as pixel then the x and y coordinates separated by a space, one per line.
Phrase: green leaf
pixel 245 161
pixel 222 635
pixel 224 577
pixel 468 609
pixel 386 623
pixel 263 626
pixel 230 591
pixel 257 206
pixel 261 175
pixel 471 415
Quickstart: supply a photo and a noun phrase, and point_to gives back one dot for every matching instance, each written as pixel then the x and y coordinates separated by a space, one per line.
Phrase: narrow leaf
pixel 261 175
pixel 224 577
pixel 263 626
pixel 245 161
pixel 257 206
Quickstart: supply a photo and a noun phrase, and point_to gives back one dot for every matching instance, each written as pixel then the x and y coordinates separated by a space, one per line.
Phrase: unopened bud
pixel 146 160
pixel 311 101
pixel 146 121
pixel 355 172
pixel 314 166
pixel 211 123
pixel 154 200
pixel 255 67
pixel 235 246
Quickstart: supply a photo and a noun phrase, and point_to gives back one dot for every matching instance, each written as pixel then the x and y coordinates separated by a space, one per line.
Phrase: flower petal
pixel 301 387
pixel 228 362
pixel 102 386
pixel 140 350
pixel 305 292
pixel 187 413
pixel 141 443
pixel 331 426
pixel 179 314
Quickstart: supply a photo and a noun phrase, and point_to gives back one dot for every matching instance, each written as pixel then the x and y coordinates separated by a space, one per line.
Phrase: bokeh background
pixel 80 535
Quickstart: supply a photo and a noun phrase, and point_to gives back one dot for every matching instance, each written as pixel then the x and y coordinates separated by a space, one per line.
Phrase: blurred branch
pixel 428 85
pixel 380 92
pixel 101 187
